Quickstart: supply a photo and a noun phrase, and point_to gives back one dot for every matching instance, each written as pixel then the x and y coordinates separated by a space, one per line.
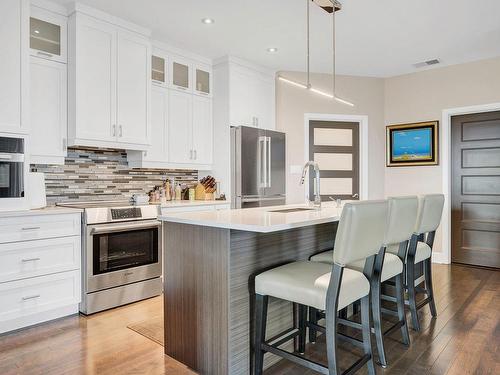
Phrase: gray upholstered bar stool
pixel 430 209
pixel 360 235
pixel 402 213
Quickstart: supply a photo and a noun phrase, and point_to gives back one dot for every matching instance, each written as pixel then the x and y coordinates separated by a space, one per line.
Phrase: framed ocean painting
pixel 412 144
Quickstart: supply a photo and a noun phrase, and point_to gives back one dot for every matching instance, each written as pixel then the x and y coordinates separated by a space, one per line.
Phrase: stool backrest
pixel 430 209
pixel 361 231
pixel 402 219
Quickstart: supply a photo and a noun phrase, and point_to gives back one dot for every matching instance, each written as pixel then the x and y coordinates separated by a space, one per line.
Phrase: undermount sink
pixel 289 210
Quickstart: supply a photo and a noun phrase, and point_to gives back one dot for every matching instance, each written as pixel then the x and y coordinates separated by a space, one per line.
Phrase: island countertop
pixel 261 219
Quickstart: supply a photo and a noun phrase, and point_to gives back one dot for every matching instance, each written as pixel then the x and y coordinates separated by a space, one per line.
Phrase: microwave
pixel 13 172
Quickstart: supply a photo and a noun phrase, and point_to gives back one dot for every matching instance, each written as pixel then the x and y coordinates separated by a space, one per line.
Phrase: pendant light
pixel 308 86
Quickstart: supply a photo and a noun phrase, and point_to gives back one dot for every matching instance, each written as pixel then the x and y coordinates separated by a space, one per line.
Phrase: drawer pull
pixel 31 297
pixel 29 260
pixel 30 228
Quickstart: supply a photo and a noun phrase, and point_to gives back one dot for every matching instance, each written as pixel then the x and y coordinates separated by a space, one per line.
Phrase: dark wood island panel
pixel 207 290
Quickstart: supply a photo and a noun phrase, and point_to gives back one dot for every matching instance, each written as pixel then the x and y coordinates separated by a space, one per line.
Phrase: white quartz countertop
pixel 51 210
pixel 261 219
pixel 186 203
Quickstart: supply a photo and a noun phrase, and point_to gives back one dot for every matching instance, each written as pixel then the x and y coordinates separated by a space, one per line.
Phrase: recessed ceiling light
pixel 272 50
pixel 207 21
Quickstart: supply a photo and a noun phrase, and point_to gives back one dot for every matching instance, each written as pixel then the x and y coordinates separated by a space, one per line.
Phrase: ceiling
pixel 374 38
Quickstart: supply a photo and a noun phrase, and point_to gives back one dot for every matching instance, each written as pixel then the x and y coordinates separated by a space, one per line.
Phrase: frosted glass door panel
pixel 180 74
pixel 334 162
pixel 336 186
pixel 45 36
pixel 158 70
pixel 332 137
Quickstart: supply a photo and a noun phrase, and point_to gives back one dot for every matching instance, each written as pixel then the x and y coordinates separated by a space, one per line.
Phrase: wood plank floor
pixel 463 339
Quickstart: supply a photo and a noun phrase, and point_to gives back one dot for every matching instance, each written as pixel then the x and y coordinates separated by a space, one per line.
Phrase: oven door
pixel 122 253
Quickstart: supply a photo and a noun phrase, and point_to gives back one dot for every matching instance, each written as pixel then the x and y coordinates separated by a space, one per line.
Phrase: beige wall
pixel 409 98
pixel 293 102
pixel 423 96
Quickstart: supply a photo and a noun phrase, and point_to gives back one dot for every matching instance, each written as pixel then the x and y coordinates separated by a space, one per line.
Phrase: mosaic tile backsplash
pixel 98 174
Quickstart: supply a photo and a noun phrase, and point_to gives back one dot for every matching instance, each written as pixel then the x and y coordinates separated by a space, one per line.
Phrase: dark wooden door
pixel 476 189
pixel 334 145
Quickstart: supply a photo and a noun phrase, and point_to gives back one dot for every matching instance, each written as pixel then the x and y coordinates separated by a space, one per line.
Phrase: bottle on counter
pixel 178 192
pixel 168 196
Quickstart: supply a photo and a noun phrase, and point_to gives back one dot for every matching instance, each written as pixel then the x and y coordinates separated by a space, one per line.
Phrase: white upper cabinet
pixel 180 116
pixel 134 88
pixel 92 82
pixel 48 35
pixel 14 65
pixel 109 85
pixel 48 115
pixel 157 155
pixel 248 93
pixel 202 130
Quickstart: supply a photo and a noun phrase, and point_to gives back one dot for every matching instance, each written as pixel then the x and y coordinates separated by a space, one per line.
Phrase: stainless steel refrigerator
pixel 257 167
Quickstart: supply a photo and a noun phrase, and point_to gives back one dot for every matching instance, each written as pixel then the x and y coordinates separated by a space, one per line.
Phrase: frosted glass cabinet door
pixel 48 104
pixel 180 73
pixel 48 38
pixel 158 70
pixel 203 80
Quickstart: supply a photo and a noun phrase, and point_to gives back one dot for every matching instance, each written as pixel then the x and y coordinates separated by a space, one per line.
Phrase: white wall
pixel 293 102
pixel 423 96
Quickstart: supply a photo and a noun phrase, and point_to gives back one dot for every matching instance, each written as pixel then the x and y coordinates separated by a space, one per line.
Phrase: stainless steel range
pixel 121 254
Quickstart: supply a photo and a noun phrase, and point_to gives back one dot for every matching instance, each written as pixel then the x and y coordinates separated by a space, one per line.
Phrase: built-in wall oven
pixel 122 254
pixel 12 172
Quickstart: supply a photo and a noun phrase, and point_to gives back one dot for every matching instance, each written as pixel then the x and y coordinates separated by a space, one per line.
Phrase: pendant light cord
pixel 308 46
pixel 333 45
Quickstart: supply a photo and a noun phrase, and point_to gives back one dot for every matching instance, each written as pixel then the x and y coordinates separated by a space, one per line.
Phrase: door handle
pixel 121 131
pixel 262 149
pixel 195 155
pixel 31 297
pixel 114 130
pixel 30 228
pixel 29 260
pixel 268 157
pixel 355 195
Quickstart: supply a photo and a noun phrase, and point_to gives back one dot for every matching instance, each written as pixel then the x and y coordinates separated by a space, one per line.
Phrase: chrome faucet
pixel 317 196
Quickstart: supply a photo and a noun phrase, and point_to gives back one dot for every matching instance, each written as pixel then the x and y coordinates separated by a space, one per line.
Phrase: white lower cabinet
pixel 40 276
pixel 48 103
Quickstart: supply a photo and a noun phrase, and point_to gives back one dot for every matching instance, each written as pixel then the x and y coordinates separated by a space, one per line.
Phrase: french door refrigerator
pixel 257 167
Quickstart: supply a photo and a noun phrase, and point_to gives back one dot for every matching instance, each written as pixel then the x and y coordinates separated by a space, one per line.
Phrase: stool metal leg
pixel 401 308
pixel 376 313
pixel 410 282
pixel 428 285
pixel 313 318
pixel 302 328
pixel 331 316
pixel 260 332
pixel 367 344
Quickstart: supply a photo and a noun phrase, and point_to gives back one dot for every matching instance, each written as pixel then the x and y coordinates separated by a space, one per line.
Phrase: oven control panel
pixel 126 213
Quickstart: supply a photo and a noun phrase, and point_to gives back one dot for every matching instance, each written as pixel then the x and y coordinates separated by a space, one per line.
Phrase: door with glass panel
pixel 334 145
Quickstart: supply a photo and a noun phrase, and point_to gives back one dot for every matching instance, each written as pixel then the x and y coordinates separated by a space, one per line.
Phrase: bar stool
pixel 430 209
pixel 325 287
pixel 402 213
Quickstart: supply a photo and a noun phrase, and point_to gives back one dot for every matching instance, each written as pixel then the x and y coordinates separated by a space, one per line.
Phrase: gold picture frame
pixel 412 144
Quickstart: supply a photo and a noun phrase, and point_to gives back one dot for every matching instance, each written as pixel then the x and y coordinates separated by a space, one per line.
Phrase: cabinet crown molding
pixel 92 12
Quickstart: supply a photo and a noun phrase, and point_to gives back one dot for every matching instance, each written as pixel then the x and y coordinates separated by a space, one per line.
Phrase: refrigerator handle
pixel 262 162
pixel 268 157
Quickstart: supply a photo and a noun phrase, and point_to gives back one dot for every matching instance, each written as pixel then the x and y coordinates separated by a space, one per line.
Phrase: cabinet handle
pixel 46 54
pixel 31 297
pixel 195 155
pixel 190 154
pixel 30 228
pixel 29 260
pixel 65 144
pixel 114 130
pixel 121 131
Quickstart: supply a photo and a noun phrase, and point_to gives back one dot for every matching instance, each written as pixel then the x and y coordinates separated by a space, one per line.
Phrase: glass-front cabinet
pixel 203 78
pixel 180 74
pixel 158 70
pixel 48 35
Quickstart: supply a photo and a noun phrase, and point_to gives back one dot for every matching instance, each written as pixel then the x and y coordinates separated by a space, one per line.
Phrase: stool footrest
pixel 388 298
pixel 283 337
pixel 395 327
pixel 423 303
pixel 350 323
pixel 389 311
pixel 351 340
pixel 295 358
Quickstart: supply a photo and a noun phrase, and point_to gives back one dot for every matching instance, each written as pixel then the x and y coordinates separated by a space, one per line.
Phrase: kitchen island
pixel 211 259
